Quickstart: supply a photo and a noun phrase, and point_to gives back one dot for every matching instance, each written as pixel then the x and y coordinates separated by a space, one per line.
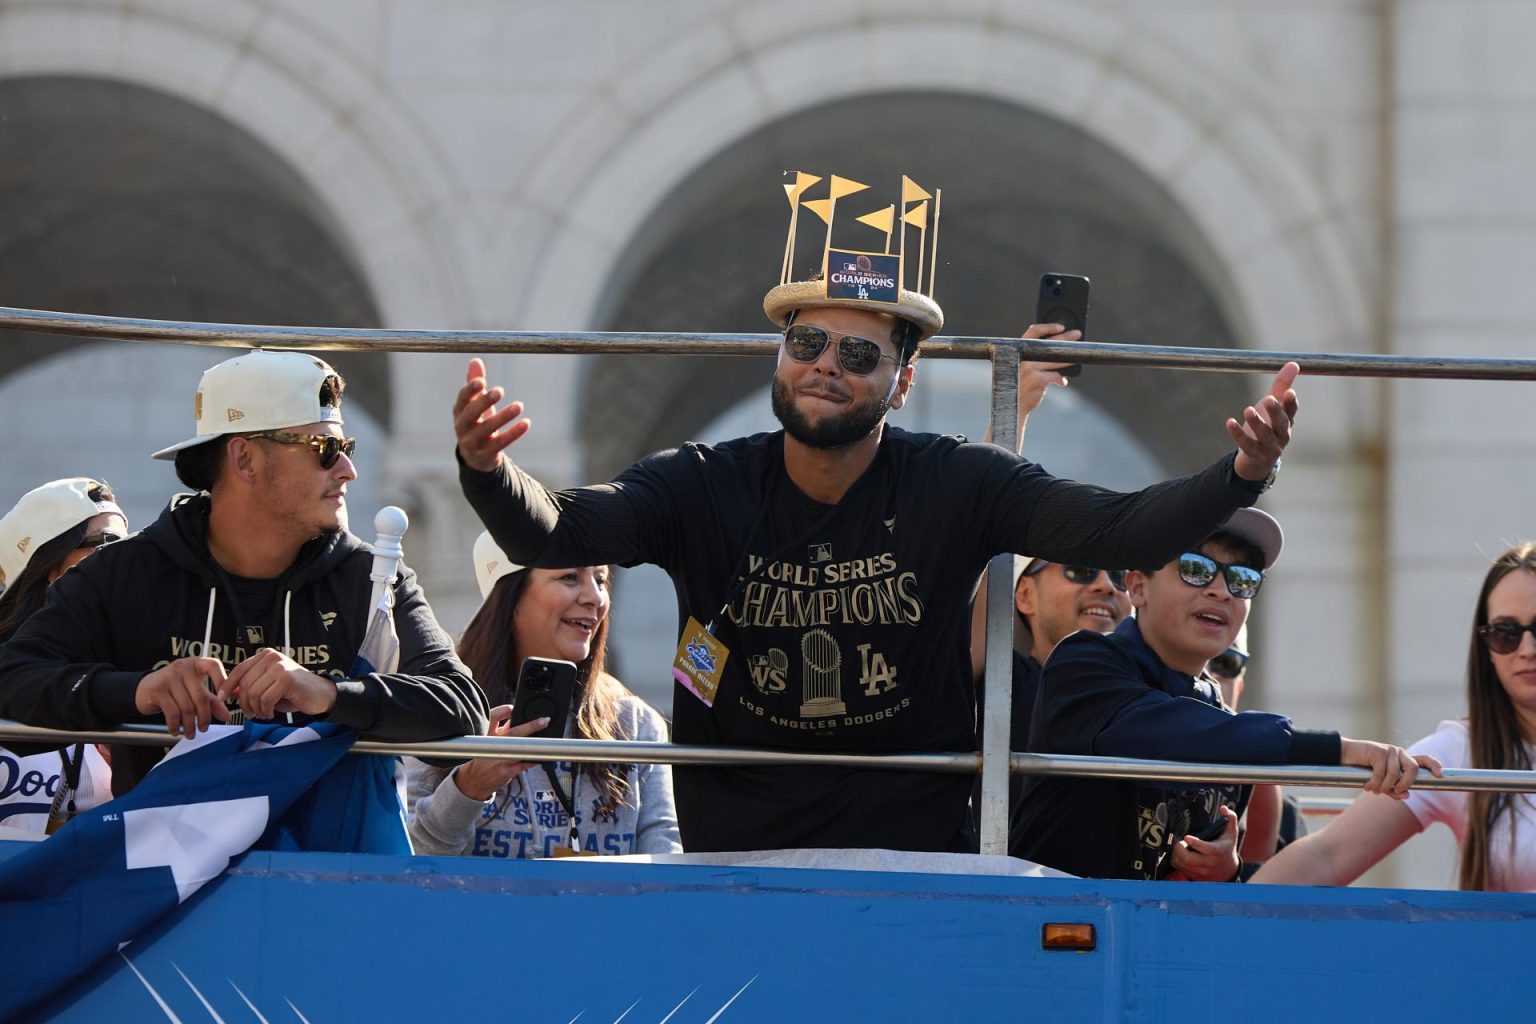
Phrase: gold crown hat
pixel 915 304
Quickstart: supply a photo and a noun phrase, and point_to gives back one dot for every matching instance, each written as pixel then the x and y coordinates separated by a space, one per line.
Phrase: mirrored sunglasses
pixel 1199 570
pixel 858 356
pixel 1229 664
pixel 97 540
pixel 1505 637
pixel 328 446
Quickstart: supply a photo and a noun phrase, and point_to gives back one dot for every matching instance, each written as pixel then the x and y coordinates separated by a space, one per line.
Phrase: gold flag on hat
pixel 792 192
pixel 840 187
pixel 911 191
pixel 918 218
pixel 882 220
pixel 821 208
pixel 837 187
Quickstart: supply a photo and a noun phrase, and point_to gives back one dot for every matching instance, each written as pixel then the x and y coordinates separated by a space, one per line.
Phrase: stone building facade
pixel 1310 175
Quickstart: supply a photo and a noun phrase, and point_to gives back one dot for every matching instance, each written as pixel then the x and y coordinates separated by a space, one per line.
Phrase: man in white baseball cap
pixel 252 592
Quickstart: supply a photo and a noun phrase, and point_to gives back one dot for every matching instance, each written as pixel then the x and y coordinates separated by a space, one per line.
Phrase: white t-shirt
pixel 1510 869
pixel 28 785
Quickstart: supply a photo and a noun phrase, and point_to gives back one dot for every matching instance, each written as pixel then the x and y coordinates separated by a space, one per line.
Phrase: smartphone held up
pixel 1063 299
pixel 545 688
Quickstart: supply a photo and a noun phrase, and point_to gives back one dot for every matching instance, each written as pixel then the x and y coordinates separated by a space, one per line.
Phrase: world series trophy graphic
pixel 821 675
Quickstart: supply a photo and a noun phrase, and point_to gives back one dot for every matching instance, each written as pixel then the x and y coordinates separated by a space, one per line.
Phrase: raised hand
pixel 481 429
pixel 180 692
pixel 1265 429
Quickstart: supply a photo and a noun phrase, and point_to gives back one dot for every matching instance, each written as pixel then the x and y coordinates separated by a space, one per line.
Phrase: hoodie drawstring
pixel 213 596
pixel 287 632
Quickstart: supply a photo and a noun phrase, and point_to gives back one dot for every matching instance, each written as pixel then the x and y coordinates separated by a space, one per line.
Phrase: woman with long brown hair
pixel 49 531
pixel 512 809
pixel 1496 831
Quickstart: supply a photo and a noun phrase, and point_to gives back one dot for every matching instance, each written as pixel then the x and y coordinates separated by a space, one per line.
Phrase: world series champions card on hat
pixel 892 279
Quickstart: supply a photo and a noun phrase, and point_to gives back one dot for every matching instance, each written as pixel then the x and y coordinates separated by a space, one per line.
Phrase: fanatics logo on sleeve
pixel 327 619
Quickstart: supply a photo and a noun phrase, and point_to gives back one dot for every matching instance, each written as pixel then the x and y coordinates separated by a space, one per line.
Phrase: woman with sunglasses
pixel 1143 692
pixel 520 810
pixel 49 531
pixel 1496 831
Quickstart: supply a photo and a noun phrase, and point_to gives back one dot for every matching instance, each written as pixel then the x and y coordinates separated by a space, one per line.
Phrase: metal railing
pixel 1004 354
pixel 1082 766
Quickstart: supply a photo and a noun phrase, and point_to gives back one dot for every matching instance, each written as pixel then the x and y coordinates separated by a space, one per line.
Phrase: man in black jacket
pixel 252 593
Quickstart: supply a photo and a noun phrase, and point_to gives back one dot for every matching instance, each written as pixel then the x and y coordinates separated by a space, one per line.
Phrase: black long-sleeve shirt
pixel 847 625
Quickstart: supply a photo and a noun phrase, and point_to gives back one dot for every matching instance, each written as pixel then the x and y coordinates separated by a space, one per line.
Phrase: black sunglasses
pixel 1229 664
pixel 1199 570
pixel 328 446
pixel 1505 637
pixel 858 356
pixel 1081 574
pixel 96 540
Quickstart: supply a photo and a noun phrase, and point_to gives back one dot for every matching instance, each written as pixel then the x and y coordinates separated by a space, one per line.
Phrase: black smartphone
pixel 1215 830
pixel 545 688
pixel 1064 300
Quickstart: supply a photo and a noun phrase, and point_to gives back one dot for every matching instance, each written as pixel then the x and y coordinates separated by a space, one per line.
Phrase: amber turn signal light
pixel 1079 937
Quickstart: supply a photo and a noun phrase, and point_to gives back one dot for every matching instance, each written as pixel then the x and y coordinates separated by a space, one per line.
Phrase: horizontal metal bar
pixel 357 339
pixel 1084 766
pixel 642 752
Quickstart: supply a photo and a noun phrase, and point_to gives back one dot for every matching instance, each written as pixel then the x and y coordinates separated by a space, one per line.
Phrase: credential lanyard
pixel 566 802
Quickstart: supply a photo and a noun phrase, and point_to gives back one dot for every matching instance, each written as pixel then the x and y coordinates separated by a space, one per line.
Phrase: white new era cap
pixel 261 390
pixel 491 564
pixel 41 515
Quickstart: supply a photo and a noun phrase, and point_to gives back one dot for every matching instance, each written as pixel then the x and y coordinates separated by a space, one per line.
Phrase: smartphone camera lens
pixel 1056 292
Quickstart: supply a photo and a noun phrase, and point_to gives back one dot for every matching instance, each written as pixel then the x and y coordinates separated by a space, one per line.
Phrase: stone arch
pixel 302 92
pixel 1045 197
pixel 123 200
pixel 1240 209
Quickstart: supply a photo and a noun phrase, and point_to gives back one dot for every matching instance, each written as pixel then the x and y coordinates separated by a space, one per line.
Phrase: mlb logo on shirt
pixel 819 553
pixel 254 635
pixel 543 796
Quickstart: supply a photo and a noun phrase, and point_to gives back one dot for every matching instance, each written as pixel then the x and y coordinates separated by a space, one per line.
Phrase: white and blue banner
pixel 111 873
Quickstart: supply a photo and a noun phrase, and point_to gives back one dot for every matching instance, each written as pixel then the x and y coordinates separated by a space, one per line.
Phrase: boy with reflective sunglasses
pixel 251 594
pixel 1143 692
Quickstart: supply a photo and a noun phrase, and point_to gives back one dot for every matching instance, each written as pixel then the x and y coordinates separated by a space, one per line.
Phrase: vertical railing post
pixel 999 598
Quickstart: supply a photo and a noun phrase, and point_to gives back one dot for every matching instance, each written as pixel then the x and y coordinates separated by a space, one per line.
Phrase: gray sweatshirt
pixel 525 819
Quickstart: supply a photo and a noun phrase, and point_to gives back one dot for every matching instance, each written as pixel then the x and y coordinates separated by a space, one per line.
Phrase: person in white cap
pixel 517 810
pixel 824 573
pixel 49 531
pixel 1143 692
pixel 251 593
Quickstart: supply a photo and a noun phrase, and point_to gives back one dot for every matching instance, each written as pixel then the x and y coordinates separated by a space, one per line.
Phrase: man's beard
pixel 832 432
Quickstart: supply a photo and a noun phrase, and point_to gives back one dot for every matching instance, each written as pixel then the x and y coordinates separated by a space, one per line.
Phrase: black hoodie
pixel 135 606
